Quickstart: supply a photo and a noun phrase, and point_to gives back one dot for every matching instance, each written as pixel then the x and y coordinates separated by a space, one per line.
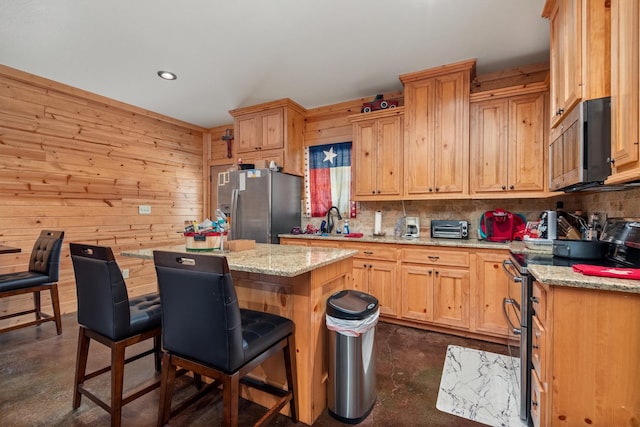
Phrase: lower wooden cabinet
pixel 586 361
pixel 491 286
pixel 377 278
pixel 435 294
pixel 456 290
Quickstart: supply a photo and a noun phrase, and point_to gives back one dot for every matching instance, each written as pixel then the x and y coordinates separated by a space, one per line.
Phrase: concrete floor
pixel 37 368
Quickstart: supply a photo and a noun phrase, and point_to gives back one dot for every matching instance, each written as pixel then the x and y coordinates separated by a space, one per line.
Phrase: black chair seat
pixel 146 313
pixel 22 279
pixel 259 331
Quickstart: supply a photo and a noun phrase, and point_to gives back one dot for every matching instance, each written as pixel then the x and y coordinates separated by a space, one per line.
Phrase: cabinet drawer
pixel 436 257
pixel 382 252
pixel 538 342
pixel 538 397
pixel 539 301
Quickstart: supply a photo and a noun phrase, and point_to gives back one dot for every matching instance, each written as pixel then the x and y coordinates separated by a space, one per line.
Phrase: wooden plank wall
pixel 330 124
pixel 78 162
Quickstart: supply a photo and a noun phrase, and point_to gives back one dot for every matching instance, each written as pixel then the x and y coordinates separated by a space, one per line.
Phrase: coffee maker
pixel 412 226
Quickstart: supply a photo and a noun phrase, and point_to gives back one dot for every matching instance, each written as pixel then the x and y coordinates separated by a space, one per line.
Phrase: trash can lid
pixel 350 304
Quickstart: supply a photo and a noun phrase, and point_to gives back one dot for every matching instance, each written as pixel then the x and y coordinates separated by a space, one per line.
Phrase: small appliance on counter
pixel 623 235
pixel 412 226
pixel 500 225
pixel 450 229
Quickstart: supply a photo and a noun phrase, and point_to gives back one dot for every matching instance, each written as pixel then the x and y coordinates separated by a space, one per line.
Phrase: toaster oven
pixel 450 229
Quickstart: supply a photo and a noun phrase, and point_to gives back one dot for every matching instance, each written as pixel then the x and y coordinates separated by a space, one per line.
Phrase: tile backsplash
pixel 613 204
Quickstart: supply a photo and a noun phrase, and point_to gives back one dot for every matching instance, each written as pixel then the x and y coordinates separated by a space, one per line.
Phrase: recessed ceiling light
pixel 167 75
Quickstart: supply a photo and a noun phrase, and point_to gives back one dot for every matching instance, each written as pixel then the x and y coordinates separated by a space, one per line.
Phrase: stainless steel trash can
pixel 351 319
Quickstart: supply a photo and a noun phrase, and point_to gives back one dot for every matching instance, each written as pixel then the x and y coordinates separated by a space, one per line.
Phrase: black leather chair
pixel 42 275
pixel 205 331
pixel 106 314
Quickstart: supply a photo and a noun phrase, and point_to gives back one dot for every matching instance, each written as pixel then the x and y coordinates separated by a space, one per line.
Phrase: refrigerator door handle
pixel 234 213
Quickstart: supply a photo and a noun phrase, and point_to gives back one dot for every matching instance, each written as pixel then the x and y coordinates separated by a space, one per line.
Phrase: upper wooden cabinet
pixel 271 131
pixel 377 154
pixel 436 155
pixel 509 142
pixel 625 91
pixel 580 53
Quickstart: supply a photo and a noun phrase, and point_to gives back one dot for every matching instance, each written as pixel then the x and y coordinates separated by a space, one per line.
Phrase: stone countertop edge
pixel 416 241
pixel 565 276
pixel 275 260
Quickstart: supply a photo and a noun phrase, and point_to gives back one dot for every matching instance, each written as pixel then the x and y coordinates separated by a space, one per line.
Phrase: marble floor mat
pixel 481 386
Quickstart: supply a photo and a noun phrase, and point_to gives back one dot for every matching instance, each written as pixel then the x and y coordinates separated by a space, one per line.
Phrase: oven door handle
pixel 510 270
pixel 511 301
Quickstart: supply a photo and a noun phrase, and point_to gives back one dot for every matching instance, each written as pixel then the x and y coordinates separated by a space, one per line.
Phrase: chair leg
pixel 166 389
pixel 37 305
pixel 157 352
pixel 81 365
pixel 292 375
pixel 231 398
pixel 55 303
pixel 117 381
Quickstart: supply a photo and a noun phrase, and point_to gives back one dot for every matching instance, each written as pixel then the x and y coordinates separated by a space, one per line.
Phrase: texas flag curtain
pixel 328 178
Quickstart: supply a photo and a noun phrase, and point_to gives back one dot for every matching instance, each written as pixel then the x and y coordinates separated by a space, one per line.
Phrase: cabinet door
pixel 451 139
pixel 246 129
pixel 451 297
pixel 625 91
pixel 491 286
pixel 382 283
pixel 489 142
pixel 365 162
pixel 555 164
pixel 272 129
pixel 419 122
pixel 566 57
pixel 360 275
pixel 389 153
pixel 527 143
pixel 416 293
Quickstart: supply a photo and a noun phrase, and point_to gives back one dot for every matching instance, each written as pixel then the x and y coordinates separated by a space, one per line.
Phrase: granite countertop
pixel 275 260
pixel 417 241
pixel 565 276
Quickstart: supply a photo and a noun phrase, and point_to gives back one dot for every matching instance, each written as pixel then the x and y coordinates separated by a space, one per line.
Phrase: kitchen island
pixel 294 282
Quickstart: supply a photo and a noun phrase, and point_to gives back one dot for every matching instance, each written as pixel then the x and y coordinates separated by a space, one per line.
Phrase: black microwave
pixel 580 149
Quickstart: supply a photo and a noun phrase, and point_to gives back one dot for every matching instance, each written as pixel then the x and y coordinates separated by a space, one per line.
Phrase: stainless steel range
pixel 623 237
pixel 516 269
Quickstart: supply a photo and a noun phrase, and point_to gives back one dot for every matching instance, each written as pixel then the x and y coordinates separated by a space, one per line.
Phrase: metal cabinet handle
pixel 433 257
pixel 368 253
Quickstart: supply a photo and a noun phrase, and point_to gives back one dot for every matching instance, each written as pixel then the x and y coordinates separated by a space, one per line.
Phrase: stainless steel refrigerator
pixel 260 203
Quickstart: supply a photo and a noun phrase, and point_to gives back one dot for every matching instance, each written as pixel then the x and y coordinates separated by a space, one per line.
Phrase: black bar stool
pixel 107 314
pixel 205 331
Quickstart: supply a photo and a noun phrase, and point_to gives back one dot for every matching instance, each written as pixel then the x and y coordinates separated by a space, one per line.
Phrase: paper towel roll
pixel 377 223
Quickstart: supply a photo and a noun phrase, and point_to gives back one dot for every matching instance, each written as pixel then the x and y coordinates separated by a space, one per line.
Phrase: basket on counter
pixel 204 242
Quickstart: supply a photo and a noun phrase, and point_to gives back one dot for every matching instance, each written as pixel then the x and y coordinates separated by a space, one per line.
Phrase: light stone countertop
pixel 565 276
pixel 275 260
pixel 419 241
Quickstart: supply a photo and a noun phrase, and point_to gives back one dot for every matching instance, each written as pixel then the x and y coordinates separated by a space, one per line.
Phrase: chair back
pixel 45 256
pixel 103 301
pixel 200 313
